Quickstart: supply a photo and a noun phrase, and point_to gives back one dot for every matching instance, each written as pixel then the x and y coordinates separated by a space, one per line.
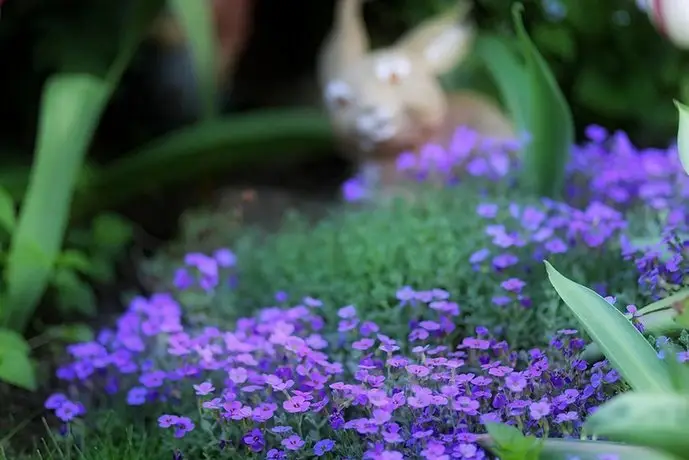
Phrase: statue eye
pixel 393 69
pixel 338 94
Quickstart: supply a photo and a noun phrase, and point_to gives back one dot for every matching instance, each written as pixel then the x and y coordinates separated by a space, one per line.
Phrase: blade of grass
pixel 625 347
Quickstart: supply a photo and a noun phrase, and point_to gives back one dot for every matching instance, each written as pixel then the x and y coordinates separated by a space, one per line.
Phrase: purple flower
pixel 296 404
pixel 293 442
pixel 68 411
pixel 204 388
pixel 254 440
pixel 323 446
pixel 538 410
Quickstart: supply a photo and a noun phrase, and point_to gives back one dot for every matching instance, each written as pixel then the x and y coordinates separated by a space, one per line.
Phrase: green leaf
pixel 657 318
pixel 503 434
pixel 655 420
pixel 70 109
pixel 626 349
pixel 111 232
pixel 556 40
pixel 550 125
pixel 13 341
pixel 197 20
pixel 509 73
pixel 270 135
pixel 8 218
pixel 71 333
pixel 683 135
pixel 17 369
pixel 73 294
pixel 679 371
pixel 560 449
pixel 75 260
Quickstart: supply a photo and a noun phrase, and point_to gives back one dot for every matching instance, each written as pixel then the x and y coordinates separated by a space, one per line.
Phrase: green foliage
pixel 362 256
pixel 657 420
pixel 612 65
pixel 16 367
pixel 509 443
pixel 197 20
pixel 683 135
pixel 550 125
pixel 621 343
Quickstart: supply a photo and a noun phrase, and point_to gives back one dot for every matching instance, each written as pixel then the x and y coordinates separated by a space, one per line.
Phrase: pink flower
pixel 296 404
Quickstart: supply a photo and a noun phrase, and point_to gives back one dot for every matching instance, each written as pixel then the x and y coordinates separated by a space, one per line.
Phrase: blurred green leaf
pixel 73 293
pixel 550 125
pixel 683 135
pixel 7 212
pixel 561 449
pixel 556 40
pixel 70 110
pixel 197 19
pixel 71 333
pixel 13 341
pixel 17 369
pixel 504 62
pixel 626 349
pixel 509 443
pixel 111 232
pixel 273 135
pixel 655 420
pixel 679 371
pixel 74 260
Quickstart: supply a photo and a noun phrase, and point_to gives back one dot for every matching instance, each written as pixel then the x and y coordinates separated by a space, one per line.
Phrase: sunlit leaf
pixel 656 420
pixel 625 347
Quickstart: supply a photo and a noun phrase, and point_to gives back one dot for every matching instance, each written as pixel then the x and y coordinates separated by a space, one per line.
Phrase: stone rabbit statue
pixel 387 101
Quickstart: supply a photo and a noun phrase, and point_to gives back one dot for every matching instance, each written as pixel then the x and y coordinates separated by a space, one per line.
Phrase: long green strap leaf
pixel 196 17
pixel 510 76
pixel 70 110
pixel 683 135
pixel 626 349
pixel 656 420
pixel 551 126
pixel 560 449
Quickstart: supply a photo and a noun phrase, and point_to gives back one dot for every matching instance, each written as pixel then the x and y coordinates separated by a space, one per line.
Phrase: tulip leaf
pixel 566 449
pixel 550 123
pixel 683 135
pixel 625 347
pixel 657 420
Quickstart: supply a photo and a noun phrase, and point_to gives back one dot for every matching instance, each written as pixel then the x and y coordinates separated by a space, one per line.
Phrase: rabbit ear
pixel 441 42
pixel 347 42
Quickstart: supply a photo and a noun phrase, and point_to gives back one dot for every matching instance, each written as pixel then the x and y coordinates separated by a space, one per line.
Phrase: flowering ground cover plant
pixel 284 384
pixel 387 344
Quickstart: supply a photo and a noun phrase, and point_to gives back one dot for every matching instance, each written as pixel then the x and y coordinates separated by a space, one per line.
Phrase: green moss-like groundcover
pixel 363 255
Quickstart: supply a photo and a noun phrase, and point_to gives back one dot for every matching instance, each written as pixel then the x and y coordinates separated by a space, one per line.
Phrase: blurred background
pixel 612 66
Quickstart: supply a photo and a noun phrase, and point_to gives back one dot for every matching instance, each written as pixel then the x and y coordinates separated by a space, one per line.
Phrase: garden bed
pixel 380 331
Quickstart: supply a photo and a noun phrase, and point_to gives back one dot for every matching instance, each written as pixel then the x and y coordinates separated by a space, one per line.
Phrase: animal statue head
pixel 382 102
pixel 386 101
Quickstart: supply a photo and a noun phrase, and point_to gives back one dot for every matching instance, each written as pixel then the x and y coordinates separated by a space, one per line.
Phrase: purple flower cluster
pixel 468 153
pixel 285 383
pixel 610 169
